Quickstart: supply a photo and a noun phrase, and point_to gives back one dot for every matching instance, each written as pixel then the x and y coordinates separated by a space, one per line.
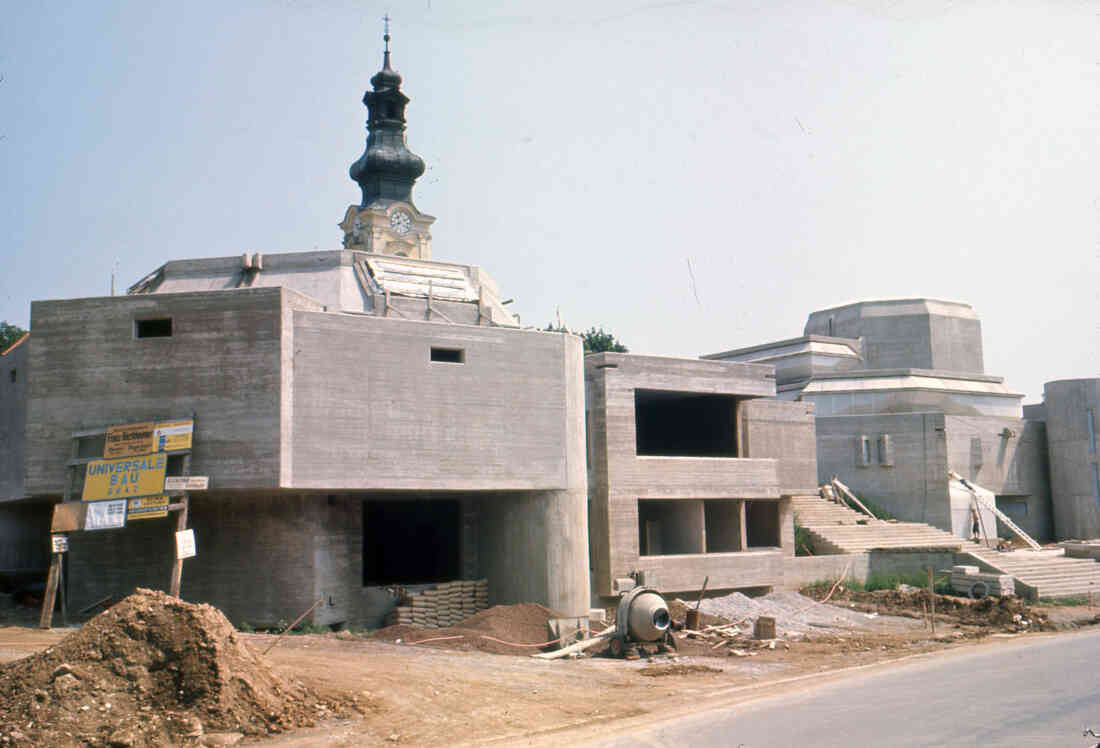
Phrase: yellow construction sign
pixel 147 507
pixel 129 441
pixel 125 478
pixel 173 435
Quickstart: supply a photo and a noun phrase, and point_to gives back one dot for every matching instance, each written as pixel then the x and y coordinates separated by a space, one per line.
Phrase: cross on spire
pixel 386 35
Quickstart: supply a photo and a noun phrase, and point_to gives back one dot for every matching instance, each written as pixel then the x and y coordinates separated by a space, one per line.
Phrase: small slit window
pixel 13 376
pixel 863 458
pixel 448 355
pixel 153 328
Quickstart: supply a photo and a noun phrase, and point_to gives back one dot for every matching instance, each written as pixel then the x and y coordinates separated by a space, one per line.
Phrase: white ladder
pixel 976 491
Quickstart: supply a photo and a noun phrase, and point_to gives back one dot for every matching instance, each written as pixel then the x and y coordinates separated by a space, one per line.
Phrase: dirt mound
pixel 150 671
pixel 503 629
pixel 996 613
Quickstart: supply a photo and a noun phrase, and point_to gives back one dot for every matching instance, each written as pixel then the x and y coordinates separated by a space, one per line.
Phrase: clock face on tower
pixel 400 222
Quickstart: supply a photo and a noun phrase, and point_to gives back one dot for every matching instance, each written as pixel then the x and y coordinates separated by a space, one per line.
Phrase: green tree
pixel 595 339
pixel 9 334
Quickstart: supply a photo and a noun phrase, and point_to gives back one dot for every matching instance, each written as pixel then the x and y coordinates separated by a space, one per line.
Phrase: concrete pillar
pixel 1073 441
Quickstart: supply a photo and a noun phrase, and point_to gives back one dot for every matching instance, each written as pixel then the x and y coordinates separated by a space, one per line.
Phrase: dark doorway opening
pixel 411 542
pixel 685 424
pixel 762 524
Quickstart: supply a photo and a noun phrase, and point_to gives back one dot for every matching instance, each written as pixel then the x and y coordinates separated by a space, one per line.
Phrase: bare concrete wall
pixel 372 411
pixel 619 478
pixel 255 557
pixel 1008 456
pixel 784 431
pixel 1073 432
pixel 914 487
pixel 222 362
pixel 803 570
pixel 13 419
pixel 904 333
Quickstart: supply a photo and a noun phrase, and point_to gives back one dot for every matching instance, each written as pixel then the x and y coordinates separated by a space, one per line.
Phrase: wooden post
pixel 932 598
pixel 51 592
pixel 61 589
pixel 181 525
pixel 177 564
pixel 744 526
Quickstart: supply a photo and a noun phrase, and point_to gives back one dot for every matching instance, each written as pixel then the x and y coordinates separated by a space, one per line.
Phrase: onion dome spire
pixel 387 169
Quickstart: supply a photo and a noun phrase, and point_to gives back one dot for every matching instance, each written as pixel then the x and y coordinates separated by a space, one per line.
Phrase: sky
pixel 691 176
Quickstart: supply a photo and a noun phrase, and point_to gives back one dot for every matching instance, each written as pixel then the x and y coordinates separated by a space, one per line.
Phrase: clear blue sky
pixel 799 154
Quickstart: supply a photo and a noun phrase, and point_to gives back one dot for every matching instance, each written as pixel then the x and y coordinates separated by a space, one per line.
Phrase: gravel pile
pixel 795 615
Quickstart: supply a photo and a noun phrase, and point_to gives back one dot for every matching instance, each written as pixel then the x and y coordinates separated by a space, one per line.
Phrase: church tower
pixel 386 221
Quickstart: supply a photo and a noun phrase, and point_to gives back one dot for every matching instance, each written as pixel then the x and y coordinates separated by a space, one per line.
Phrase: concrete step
pixel 1050 573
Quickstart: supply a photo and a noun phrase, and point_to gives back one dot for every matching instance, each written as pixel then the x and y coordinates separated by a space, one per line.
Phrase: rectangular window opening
pixel 1096 483
pixel 1092 430
pixel 885 451
pixel 13 376
pixel 723 525
pixel 864 457
pixel 669 528
pixel 448 355
pixel 411 542
pixel 762 524
pixel 685 424
pixel 91 446
pixel 153 328
pixel 1014 506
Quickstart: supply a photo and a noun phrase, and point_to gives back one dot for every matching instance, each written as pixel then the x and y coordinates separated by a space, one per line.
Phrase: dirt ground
pixel 453 692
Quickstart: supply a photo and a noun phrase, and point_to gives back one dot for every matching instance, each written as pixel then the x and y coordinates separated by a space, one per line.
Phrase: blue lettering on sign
pixel 128 466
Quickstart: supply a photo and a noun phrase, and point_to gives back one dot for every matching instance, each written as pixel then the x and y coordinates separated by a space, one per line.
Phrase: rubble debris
pixel 520 629
pixel 150 671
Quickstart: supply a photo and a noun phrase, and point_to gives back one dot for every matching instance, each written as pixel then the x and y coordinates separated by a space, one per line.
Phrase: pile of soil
pixel 150 671
pixel 503 629
pixel 996 613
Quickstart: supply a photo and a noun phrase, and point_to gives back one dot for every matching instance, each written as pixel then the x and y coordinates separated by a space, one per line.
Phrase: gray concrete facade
pixel 907 333
pixel 678 507
pixel 305 419
pixel 13 418
pixel 1072 414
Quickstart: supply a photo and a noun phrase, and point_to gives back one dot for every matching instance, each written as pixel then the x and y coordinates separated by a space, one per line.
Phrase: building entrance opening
pixel 762 524
pixel 411 542
pixel 685 424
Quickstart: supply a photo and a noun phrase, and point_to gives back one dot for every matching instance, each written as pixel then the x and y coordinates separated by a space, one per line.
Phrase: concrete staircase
pixel 1046 573
pixel 838 529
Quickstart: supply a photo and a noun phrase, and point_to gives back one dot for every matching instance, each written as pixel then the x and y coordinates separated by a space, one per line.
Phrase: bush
pixel 803 543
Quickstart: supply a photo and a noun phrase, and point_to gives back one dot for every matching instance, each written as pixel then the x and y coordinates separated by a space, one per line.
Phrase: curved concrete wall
pixel 1073 432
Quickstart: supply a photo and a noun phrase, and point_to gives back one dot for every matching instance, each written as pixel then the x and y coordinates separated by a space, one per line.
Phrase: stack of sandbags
pixel 444 605
pixel 402 614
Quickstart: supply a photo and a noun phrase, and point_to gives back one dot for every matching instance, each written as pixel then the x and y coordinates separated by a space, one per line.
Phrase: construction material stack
pixel 443 605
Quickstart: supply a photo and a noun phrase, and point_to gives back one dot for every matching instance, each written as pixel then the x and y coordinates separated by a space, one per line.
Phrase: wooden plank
pixel 578 647
pixel 50 597
pixel 744 526
pixel 181 525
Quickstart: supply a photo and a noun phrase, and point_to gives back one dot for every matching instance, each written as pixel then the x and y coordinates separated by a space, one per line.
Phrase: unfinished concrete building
pixel 690 471
pixel 901 397
pixel 368 418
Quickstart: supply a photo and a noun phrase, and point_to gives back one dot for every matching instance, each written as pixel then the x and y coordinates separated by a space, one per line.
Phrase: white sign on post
pixel 187 483
pixel 59 543
pixel 105 515
pixel 185 544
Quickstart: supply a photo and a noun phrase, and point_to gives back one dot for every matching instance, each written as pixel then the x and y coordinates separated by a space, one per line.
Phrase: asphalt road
pixel 1027 692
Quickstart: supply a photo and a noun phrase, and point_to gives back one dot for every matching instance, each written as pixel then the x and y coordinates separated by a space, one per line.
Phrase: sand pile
pixel 525 624
pixel 150 671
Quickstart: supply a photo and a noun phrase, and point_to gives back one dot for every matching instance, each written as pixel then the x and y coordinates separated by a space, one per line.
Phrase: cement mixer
pixel 642 618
